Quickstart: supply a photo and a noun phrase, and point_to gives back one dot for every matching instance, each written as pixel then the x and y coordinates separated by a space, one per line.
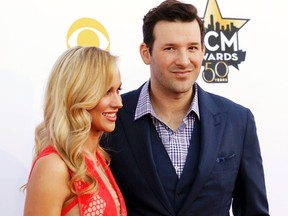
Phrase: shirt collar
pixel 144 105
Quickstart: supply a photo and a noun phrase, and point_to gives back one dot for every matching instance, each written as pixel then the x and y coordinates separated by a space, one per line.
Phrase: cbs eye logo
pixel 88 32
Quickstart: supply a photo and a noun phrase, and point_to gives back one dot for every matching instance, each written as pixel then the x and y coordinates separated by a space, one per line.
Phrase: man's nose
pixel 183 58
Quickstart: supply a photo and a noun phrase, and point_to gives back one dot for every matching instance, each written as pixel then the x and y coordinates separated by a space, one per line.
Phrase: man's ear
pixel 145 54
pixel 203 48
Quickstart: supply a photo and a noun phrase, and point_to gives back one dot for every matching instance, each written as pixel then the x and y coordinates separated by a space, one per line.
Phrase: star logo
pixel 212 9
pixel 222 44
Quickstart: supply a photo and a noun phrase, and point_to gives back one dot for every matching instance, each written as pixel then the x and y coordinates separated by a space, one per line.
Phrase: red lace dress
pixel 101 204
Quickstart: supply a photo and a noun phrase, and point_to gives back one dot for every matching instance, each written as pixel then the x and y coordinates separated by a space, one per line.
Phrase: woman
pixel 70 174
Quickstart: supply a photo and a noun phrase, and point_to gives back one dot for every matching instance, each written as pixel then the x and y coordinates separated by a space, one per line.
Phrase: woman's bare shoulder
pixel 48 186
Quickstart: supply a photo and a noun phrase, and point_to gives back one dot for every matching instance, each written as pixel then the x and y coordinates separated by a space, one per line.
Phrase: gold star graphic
pixel 212 16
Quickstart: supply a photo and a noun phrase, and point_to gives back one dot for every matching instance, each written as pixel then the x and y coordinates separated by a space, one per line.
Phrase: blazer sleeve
pixel 249 196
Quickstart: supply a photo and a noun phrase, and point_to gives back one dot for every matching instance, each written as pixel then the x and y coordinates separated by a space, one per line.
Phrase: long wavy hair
pixel 79 79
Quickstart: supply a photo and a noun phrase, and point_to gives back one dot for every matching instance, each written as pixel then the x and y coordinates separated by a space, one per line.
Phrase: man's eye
pixel 193 48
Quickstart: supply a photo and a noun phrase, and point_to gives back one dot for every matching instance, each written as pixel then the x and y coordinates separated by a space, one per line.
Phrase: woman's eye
pixel 119 89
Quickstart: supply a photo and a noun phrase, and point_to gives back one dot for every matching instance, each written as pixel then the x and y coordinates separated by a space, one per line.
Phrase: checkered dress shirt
pixel 176 142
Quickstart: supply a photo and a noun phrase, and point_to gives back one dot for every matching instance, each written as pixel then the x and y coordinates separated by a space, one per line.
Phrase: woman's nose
pixel 117 102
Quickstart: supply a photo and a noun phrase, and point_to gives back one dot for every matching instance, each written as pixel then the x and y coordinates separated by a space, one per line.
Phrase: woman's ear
pixel 145 54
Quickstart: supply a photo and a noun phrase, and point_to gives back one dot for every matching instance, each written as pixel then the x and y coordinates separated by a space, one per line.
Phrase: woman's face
pixel 104 114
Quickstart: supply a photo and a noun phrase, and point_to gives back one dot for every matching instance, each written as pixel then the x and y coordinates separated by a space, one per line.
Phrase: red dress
pixel 101 204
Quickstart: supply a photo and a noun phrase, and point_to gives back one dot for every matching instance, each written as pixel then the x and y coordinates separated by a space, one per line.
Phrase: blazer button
pixel 179 193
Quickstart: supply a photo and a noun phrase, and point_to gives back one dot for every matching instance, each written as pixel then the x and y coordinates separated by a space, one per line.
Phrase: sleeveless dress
pixel 100 204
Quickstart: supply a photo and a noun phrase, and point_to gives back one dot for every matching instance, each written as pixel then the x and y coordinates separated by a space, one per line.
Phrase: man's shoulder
pixel 219 100
pixel 130 100
pixel 131 96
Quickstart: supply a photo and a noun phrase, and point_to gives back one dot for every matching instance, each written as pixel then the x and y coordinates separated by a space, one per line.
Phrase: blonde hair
pixel 79 79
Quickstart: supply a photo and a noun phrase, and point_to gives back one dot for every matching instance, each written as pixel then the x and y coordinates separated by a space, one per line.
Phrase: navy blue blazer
pixel 230 163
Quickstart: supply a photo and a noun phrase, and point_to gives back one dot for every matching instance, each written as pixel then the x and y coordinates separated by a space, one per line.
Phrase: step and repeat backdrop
pixel 245 60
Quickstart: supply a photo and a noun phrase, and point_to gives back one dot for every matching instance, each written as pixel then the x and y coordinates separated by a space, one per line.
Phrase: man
pixel 178 150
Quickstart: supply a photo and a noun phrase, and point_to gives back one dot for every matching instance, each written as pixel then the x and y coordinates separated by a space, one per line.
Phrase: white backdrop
pixel 33 35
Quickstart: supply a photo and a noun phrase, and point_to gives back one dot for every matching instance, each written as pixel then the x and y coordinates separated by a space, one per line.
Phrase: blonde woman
pixel 70 174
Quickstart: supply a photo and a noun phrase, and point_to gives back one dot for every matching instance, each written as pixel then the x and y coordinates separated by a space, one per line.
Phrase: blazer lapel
pixel 212 121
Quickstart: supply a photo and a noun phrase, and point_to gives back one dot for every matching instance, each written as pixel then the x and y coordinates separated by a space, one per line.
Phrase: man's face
pixel 176 57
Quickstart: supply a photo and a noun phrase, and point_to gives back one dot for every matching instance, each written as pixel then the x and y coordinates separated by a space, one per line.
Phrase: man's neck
pixel 171 109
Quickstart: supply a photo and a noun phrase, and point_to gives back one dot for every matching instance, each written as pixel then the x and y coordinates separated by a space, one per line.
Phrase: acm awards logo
pixel 88 32
pixel 222 44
